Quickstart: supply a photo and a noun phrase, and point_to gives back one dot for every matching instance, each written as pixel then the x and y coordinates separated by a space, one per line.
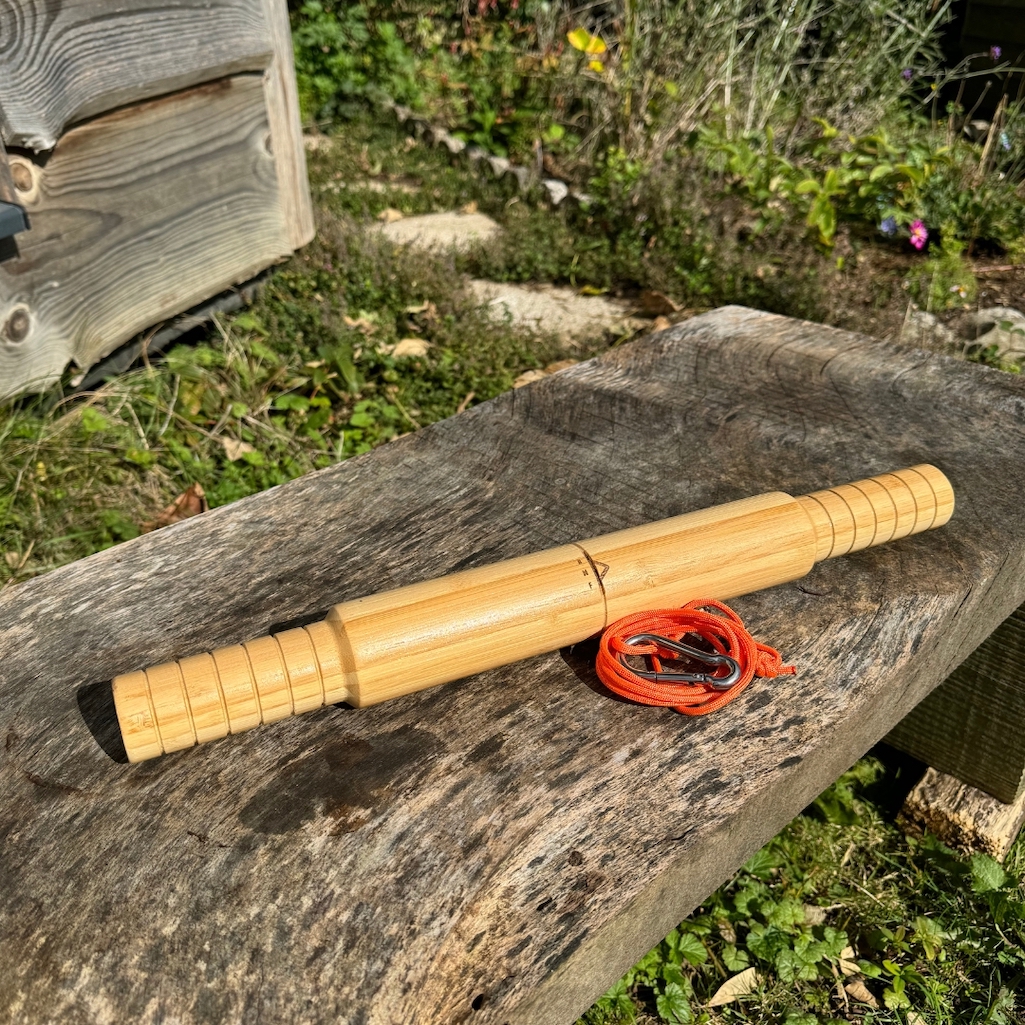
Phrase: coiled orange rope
pixel 722 630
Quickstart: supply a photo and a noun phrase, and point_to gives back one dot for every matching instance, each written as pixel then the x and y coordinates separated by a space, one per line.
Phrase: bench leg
pixel 961 815
pixel 973 725
pixel 971 730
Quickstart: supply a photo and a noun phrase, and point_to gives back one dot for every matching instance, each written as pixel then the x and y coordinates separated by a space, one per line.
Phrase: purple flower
pixel 919 234
pixel 907 74
pixel 888 226
pixel 994 53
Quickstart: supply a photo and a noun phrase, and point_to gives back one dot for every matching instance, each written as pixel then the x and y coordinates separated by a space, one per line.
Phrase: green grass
pixel 667 229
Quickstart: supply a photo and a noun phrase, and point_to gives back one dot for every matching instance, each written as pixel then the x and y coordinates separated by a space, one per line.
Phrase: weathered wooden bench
pixel 500 849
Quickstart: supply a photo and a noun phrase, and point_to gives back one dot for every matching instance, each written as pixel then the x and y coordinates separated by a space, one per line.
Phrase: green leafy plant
pixel 945 281
pixel 841 897
pixel 345 57
pixel 863 180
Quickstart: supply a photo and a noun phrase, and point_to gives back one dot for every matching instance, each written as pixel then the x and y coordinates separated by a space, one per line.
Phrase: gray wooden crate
pixel 157 151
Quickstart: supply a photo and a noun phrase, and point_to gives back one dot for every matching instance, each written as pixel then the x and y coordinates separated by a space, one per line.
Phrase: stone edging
pixel 555 189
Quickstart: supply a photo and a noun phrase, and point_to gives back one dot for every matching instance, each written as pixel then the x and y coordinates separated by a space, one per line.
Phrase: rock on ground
pixel 999 326
pixel 1002 326
pixel 926 331
pixel 441 231
pixel 559 310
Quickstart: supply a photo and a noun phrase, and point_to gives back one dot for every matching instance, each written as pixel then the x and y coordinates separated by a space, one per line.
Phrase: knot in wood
pixel 21 175
pixel 18 324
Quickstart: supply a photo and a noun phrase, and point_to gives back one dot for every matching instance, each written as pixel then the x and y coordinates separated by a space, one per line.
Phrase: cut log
pixel 67 60
pixel 962 816
pixel 973 725
pixel 137 216
pixel 500 849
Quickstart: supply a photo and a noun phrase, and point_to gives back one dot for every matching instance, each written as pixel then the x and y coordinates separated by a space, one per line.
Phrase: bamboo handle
pixel 400 641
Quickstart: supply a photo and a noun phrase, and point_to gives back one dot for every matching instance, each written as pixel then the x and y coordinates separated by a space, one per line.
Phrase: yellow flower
pixel 582 40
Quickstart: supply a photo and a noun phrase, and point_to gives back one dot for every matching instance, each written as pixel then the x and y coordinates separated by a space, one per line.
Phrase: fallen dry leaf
pixel 360 324
pixel 470 208
pixel 426 310
pixel 857 990
pixel 661 324
pixel 389 215
pixel 191 502
pixel 738 986
pixel 848 966
pixel 407 348
pixel 562 364
pixel 234 449
pixel 657 304
pixel 528 377
pixel 12 559
pixel 814 915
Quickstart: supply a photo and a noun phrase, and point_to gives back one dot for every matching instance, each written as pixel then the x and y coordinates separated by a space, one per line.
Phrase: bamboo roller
pixel 404 640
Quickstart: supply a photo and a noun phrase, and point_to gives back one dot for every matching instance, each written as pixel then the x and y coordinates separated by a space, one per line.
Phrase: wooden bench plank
pixel 67 60
pixel 137 216
pixel 503 848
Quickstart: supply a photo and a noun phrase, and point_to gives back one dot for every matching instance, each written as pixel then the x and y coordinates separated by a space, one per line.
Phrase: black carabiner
pixel 707 658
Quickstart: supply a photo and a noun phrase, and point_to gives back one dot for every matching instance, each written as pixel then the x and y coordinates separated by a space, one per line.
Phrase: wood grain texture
pixel 67 60
pixel 515 841
pixel 137 216
pixel 286 129
pixel 962 816
pixel 973 725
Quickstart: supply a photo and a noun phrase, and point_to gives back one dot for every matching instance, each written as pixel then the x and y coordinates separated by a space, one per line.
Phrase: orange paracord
pixel 724 633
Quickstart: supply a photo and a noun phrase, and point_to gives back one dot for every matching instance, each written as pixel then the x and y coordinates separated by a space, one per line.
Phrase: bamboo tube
pixel 400 641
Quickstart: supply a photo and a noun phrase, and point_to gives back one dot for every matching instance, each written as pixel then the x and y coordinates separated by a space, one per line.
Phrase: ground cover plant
pixel 842 917
pixel 306 377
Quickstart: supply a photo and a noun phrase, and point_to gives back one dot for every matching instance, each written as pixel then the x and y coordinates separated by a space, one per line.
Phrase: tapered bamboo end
pixel 878 509
pixel 178 704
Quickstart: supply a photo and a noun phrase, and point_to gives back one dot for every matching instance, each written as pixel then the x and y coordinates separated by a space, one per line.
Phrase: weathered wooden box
pixel 157 152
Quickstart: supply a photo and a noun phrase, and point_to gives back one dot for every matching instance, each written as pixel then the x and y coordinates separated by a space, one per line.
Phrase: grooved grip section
pixel 878 509
pixel 175 705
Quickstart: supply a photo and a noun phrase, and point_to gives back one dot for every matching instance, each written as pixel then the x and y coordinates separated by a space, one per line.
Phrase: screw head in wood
pixel 18 325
